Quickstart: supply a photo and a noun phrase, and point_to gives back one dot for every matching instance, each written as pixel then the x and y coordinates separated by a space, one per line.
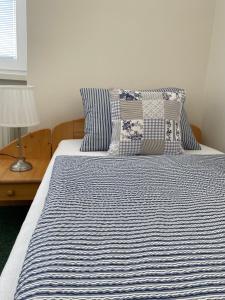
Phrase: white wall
pixel 116 43
pixel 213 124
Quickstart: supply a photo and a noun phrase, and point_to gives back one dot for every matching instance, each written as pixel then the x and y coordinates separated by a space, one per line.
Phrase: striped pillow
pixel 98 126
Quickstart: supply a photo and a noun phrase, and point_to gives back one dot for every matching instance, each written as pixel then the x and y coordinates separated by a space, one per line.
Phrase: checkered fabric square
pixel 171 147
pixel 145 122
pixel 130 147
pixel 154 129
pixel 115 110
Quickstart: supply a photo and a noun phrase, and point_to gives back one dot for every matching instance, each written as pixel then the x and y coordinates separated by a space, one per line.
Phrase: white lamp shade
pixel 17 106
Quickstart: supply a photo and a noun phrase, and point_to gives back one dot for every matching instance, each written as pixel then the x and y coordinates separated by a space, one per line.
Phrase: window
pixel 13 40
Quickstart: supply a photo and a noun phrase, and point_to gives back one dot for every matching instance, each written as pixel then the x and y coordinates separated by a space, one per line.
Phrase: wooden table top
pixel 34 175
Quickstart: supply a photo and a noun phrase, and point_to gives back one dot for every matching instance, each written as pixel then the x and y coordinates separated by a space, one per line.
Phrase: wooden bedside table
pixel 20 186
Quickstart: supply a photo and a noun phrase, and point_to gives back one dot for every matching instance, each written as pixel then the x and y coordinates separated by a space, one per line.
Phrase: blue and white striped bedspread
pixel 130 228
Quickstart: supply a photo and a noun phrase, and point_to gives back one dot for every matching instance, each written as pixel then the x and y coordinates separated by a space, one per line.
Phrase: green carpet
pixel 11 219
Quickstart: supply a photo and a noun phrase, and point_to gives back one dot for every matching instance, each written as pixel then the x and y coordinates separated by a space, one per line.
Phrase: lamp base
pixel 20 166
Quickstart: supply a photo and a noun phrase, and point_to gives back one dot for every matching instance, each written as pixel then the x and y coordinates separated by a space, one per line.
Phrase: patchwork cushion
pixel 145 122
pixel 98 126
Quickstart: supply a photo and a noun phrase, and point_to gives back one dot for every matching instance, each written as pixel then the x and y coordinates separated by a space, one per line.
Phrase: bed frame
pixel 42 144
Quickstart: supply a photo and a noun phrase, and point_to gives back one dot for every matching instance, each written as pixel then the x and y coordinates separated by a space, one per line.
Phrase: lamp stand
pixel 21 165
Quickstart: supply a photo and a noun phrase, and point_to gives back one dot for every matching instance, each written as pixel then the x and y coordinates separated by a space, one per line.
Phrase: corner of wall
pixel 213 120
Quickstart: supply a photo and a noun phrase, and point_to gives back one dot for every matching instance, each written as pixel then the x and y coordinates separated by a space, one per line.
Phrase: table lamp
pixel 17 110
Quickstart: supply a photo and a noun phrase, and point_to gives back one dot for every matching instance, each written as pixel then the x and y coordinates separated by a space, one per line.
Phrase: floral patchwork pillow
pixel 145 122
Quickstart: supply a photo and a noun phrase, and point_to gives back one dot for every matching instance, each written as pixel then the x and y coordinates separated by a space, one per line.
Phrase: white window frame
pixel 17 68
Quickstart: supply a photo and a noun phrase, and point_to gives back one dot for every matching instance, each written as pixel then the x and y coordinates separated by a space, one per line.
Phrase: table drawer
pixel 22 191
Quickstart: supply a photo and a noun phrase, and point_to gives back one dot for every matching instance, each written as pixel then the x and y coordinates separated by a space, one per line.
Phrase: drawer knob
pixel 10 193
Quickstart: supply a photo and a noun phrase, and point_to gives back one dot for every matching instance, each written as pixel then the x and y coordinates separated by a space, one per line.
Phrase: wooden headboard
pixel 75 130
pixel 42 144
pixel 69 130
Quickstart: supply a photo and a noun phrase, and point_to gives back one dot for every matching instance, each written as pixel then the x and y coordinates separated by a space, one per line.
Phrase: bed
pixel 10 274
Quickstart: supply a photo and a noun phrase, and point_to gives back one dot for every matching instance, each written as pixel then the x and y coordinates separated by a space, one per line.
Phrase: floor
pixel 11 219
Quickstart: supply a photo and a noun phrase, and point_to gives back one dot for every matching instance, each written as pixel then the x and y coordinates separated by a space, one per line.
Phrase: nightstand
pixel 17 187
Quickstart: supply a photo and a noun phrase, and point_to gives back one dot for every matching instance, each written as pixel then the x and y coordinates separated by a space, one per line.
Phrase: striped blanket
pixel 130 228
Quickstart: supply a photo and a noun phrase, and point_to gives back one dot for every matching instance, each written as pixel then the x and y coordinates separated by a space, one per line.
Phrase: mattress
pixel 10 274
